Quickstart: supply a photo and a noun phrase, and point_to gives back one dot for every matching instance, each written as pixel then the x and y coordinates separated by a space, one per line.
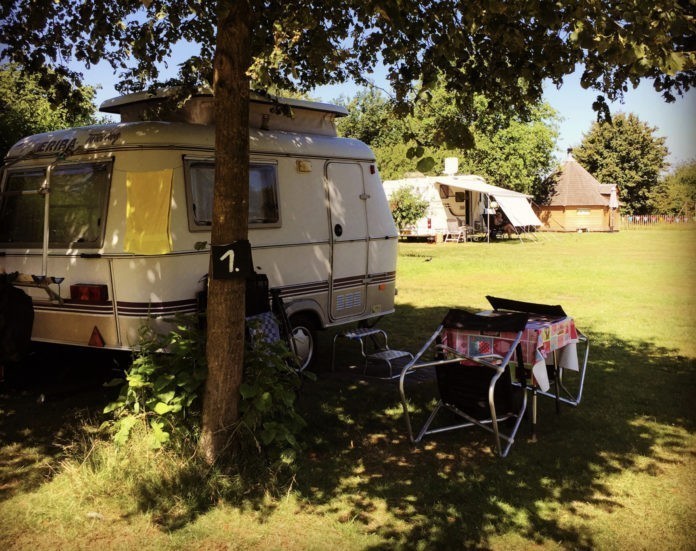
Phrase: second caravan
pixel 462 201
pixel 104 226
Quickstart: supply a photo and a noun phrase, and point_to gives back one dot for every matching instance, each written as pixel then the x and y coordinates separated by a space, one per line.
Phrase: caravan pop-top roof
pixel 307 116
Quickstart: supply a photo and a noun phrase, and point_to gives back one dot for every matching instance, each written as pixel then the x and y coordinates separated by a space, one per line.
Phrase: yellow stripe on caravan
pixel 147 212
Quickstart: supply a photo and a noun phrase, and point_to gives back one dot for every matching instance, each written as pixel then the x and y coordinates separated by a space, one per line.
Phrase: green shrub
pixel 406 207
pixel 267 407
pixel 163 389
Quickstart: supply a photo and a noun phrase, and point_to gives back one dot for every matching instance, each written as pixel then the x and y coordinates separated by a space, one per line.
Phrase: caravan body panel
pixel 150 248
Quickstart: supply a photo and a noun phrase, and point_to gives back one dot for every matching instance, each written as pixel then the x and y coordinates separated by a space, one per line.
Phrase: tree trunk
pixel 225 338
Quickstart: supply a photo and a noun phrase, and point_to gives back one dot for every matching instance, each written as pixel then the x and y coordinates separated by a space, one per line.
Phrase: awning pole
pixel 488 218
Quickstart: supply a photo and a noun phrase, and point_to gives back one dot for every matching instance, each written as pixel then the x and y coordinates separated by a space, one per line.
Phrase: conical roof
pixel 575 186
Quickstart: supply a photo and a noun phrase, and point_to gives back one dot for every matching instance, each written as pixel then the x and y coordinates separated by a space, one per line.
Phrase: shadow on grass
pixel 43 404
pixel 452 491
pixel 449 492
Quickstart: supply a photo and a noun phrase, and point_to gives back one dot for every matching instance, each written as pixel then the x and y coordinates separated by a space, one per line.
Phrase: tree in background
pixel 625 152
pixel 370 118
pixel 27 108
pixel 517 154
pixel 676 192
pixel 407 207
pixel 505 51
pixel 508 151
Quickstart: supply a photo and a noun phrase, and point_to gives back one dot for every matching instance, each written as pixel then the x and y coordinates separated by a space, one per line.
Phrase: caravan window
pixel 263 193
pixel 77 206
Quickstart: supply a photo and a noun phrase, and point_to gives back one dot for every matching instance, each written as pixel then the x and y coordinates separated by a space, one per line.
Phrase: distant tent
pixel 578 201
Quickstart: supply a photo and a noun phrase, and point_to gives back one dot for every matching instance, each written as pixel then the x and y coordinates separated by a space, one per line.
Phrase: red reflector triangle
pixel 96 339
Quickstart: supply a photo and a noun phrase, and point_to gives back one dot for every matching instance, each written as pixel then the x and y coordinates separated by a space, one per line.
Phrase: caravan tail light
pixel 430 224
pixel 88 292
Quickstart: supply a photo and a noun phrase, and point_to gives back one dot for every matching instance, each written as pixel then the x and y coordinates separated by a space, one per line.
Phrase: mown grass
pixel 616 473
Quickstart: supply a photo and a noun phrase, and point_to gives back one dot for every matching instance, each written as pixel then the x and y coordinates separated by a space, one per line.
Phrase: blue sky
pixel 676 121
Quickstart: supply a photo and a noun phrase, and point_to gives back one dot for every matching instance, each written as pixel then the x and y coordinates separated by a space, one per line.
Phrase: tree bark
pixel 225 337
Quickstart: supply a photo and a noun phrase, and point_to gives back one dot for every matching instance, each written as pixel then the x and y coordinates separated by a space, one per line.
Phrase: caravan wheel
pixel 304 335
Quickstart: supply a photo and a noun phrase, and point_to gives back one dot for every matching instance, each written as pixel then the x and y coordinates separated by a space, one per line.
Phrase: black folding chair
pixel 475 387
pixel 556 372
pixel 267 320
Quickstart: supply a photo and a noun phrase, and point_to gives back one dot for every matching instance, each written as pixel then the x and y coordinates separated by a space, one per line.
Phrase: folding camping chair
pixel 456 233
pixel 474 384
pixel 556 371
pixel 267 321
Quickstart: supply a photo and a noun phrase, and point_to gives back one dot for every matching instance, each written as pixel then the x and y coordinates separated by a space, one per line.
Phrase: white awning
pixel 517 209
pixel 515 205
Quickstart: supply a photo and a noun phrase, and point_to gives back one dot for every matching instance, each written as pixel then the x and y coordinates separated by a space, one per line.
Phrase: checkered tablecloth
pixel 540 338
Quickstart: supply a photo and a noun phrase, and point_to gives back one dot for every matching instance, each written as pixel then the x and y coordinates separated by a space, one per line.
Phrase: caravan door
pixel 349 237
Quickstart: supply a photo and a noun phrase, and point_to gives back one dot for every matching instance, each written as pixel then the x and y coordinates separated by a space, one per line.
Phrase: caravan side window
pixel 77 206
pixel 263 193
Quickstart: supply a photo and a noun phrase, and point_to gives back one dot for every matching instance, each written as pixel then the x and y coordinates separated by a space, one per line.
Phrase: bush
pixel 406 207
pixel 163 391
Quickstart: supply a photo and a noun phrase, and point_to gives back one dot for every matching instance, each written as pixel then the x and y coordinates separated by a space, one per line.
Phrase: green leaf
pixel 159 436
pixel 166 397
pixel 248 391
pixel 268 435
pixel 136 381
pixel 263 402
pixel 112 407
pixel 426 164
pixel 161 408
pixel 125 426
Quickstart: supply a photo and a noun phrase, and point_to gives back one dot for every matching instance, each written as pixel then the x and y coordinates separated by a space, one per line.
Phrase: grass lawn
pixel 619 472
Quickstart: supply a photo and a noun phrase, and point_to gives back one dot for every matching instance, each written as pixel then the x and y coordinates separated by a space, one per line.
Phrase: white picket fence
pixel 629 221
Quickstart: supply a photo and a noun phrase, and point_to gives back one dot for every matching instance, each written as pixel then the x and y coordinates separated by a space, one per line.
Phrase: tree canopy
pixel 625 152
pixel 502 50
pixel 27 108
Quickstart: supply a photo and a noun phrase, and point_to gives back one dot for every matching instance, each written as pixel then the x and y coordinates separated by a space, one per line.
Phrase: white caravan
pixel 107 225
pixel 462 201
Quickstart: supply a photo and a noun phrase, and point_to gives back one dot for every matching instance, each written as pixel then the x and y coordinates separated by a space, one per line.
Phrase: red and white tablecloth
pixel 541 337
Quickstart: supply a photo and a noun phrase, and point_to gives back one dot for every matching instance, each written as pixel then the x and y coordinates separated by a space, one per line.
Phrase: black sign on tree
pixel 232 260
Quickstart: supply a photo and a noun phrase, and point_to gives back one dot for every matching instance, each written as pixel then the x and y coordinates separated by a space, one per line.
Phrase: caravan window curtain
pixel 147 212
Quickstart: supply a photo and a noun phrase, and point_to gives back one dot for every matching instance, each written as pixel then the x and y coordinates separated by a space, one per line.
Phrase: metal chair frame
pixel 495 362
